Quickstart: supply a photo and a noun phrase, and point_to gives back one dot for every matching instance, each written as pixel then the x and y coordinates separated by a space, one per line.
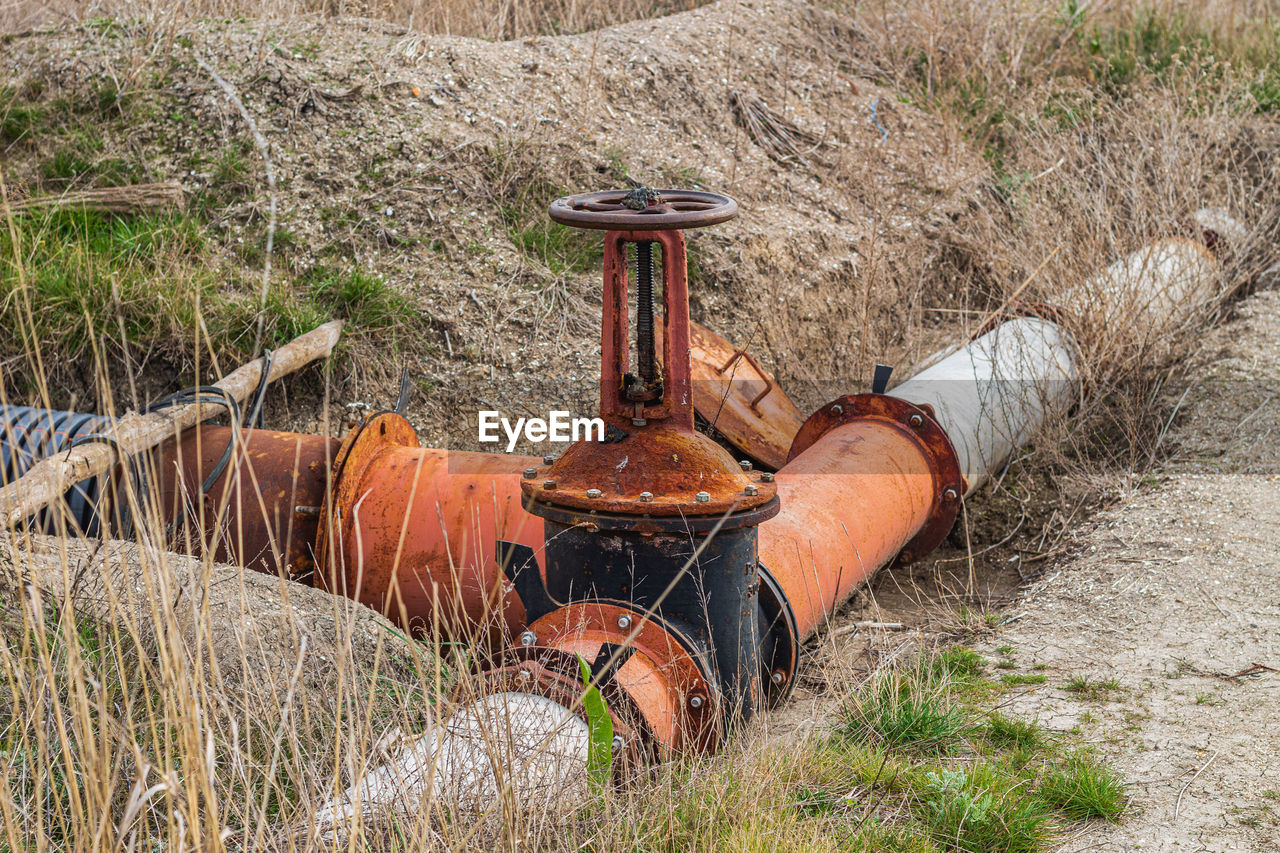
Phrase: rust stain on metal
pixel 608 211
pixel 733 393
pixel 871 474
pixel 671 465
pixel 255 512
pixel 660 679
pixel 413 532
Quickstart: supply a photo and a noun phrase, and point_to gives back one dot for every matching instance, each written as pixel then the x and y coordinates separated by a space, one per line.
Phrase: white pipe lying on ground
pixel 503 745
pixel 991 395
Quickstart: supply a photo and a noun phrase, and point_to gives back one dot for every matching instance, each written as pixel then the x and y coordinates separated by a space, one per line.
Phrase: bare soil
pixel 1174 593
pixel 416 157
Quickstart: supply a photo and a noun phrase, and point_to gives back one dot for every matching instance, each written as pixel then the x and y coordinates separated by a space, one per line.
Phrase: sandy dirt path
pixel 1175 594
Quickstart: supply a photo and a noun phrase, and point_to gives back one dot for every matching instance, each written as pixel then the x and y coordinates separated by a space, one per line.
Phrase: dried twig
pixel 1178 804
pixel 130 199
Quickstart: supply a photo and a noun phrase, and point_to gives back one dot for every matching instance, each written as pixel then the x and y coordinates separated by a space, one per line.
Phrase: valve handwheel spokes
pixel 665 210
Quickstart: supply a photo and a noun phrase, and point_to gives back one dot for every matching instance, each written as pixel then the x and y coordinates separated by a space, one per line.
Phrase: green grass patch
pixel 918 761
pixel 1091 688
pixel 1082 788
pixel 1016 679
pixel 73 279
pixel 897 710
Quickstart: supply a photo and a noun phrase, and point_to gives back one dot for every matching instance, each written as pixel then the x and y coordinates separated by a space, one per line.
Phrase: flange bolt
pixel 528 638
pixel 702 497
pixel 594 493
pixel 646 497
pixel 547 460
pixel 624 622
pixel 745 464
pixel 695 702
pixel 618 743
pixel 530 473
pixel 778 677
pixel 767 476
pixel 752 490
pixel 916 421
pixel 837 409
pixel 548 484
pixel 950 495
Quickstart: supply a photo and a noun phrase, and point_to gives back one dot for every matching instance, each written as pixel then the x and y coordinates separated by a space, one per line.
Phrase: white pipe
pixel 504 745
pixel 991 395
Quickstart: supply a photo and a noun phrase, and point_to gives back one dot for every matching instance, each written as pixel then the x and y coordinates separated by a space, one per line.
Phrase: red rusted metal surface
pixel 733 393
pixel 414 532
pixel 869 478
pixel 655 463
pixel 671 465
pixel 263 511
pixel 676 209
pixel 661 679
pixel 675 406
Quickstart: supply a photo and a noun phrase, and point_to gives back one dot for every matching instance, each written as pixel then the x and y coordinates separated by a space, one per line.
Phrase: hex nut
pixel 837 409
pixel 950 495
pixel 695 702
pixel 767 476
pixel 618 743
pixel 702 497
pixel 528 638
pixel 530 473
pixel 594 493
pixel 638 422
pixel 745 464
pixel 548 484
pixel 548 460
pixel 752 490
pixel 646 497
pixel 778 677
pixel 624 622
pixel 916 421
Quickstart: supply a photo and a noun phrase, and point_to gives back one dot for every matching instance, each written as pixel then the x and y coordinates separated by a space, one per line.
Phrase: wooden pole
pixel 49 479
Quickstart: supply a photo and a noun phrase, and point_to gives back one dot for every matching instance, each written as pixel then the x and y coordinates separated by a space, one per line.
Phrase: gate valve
pixel 650 535
pixel 653 462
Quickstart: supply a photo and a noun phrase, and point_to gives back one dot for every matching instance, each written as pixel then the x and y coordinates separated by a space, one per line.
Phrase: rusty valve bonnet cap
pixel 651 472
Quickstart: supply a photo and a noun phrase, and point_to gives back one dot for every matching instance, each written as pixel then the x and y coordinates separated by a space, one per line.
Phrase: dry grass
pixel 154 715
pixel 489 19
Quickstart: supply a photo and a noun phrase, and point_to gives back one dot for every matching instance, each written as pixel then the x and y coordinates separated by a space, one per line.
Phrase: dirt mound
pixel 429 161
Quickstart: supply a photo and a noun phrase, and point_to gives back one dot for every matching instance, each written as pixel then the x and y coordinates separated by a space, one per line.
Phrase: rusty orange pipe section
pixel 415 531
pixel 262 512
pixel 878 482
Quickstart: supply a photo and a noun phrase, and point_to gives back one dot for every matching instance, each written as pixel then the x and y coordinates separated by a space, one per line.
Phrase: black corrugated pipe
pixel 28 435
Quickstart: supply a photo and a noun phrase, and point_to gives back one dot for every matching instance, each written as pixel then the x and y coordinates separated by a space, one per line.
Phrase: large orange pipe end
pixel 871 477
pixel 414 533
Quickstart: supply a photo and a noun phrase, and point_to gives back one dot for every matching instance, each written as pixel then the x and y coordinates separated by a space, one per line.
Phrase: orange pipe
pixel 262 512
pixel 851 503
pixel 415 533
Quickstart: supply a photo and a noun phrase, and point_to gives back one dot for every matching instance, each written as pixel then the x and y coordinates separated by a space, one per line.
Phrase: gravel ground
pixel 1173 593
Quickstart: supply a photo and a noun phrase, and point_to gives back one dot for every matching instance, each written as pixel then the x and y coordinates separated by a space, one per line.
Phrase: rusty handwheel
pixel 643 209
